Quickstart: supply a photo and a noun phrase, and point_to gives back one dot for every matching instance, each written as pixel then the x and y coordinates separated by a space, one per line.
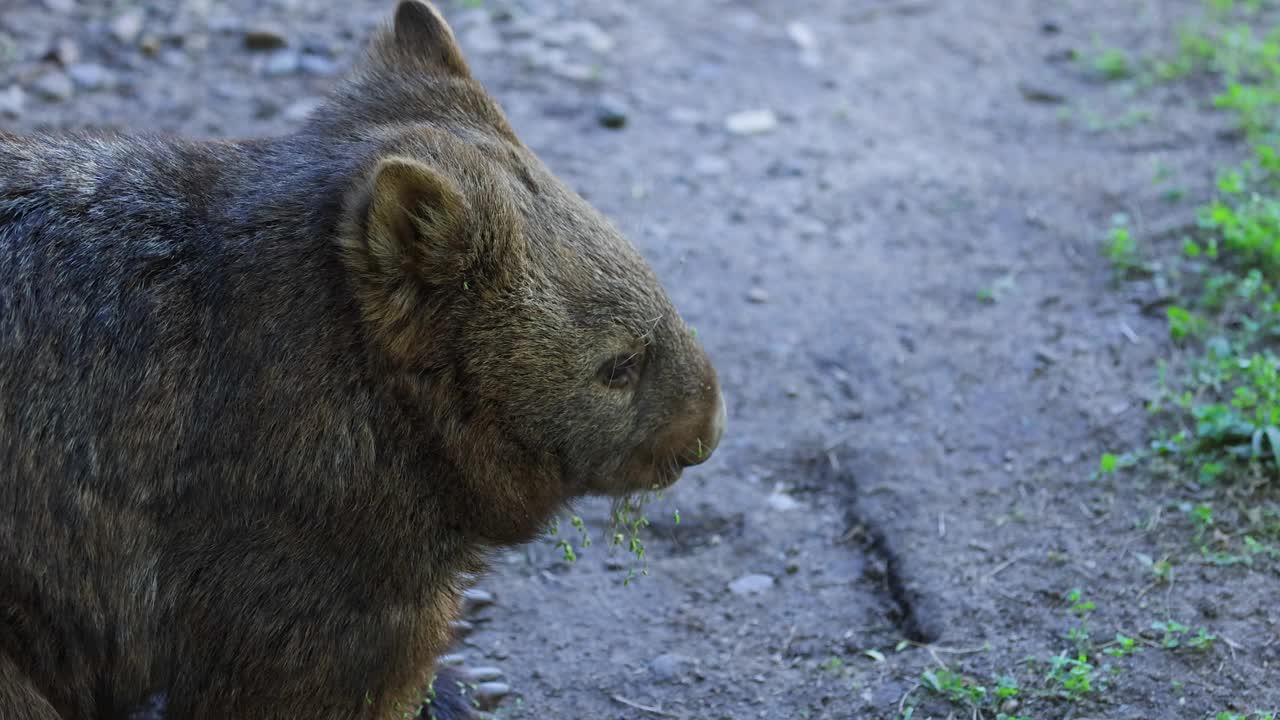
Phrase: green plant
pixel 953 687
pixel 1122 646
pixel 1075 675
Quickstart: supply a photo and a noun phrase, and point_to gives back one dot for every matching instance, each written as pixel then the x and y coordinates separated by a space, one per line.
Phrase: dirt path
pixel 905 458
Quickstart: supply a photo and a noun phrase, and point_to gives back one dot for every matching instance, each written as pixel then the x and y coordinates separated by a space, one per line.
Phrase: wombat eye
pixel 620 371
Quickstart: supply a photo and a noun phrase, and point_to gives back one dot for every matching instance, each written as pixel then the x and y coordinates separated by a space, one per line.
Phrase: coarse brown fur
pixel 265 404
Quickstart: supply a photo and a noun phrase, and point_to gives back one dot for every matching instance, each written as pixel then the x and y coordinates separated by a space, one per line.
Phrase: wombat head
pixel 522 321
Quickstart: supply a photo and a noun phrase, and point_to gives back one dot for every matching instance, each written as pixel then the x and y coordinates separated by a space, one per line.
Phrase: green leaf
pixel 1108 463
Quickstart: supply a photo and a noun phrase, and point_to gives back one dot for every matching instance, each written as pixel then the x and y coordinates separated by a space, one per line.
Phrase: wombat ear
pixel 416 222
pixel 421 31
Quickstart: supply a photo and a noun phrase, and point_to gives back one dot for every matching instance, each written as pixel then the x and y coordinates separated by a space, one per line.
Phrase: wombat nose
pixel 705 445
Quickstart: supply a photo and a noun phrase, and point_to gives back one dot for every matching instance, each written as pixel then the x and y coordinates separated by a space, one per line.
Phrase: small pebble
pixel 319 65
pixel 475 599
pixel 280 63
pixel 265 37
pixel 90 76
pixel 781 501
pixel 12 101
pixel 751 122
pixel 488 695
pixel 64 52
pixel 669 666
pixel 54 87
pixel 482 674
pixel 126 26
pixel 758 295
pixel 611 112
pixel 751 584
pixel 802 35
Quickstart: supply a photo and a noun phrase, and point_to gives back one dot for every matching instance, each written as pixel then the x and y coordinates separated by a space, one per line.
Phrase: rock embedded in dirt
pixel 474 599
pixel 12 101
pixel 758 295
pixel 126 26
pixel 265 37
pixel 65 52
pixel 318 65
pixel 488 695
pixel 91 76
pixel 483 674
pixel 751 122
pixel 753 584
pixel 1040 94
pixel 802 35
pixel 611 112
pixel 281 62
pixel 670 667
pixel 54 87
pixel 782 502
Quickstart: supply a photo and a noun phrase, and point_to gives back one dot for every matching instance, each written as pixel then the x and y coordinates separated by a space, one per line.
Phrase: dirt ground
pixel 922 349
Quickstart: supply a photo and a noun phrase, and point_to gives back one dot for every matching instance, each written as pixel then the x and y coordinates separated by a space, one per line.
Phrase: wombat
pixel 265 404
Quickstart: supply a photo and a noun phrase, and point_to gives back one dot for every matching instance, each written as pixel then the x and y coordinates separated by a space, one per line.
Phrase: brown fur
pixel 263 404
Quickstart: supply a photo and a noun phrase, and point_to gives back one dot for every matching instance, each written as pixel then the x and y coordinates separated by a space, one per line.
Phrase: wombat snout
pixel 708 438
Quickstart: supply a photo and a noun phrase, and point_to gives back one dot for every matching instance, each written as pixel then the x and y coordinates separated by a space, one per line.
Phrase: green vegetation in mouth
pixel 628 523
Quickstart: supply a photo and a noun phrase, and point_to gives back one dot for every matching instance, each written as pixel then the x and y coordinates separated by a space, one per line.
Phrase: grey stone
pixel 91 76
pixel 12 101
pixel 265 37
pixel 483 674
pixel 65 52
pixel 314 64
pixel 126 26
pixel 54 87
pixel 611 112
pixel 475 599
pixel 669 667
pixel 753 584
pixel 751 122
pixel 758 295
pixel 279 63
pixel 488 695
pixel 802 35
